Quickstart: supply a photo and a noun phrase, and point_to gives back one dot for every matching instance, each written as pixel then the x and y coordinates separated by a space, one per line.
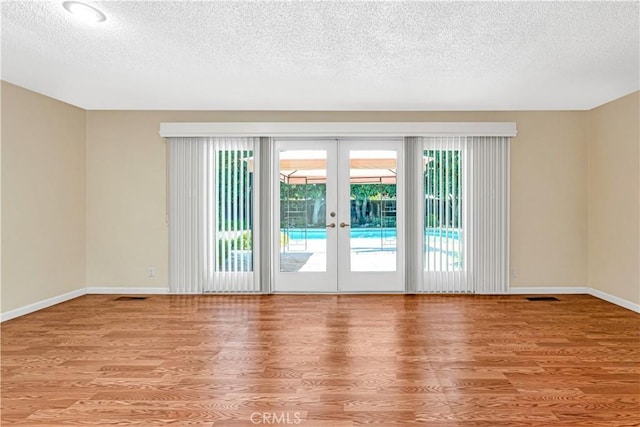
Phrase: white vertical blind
pixel 465 190
pixel 489 222
pixel 212 227
pixel 415 206
pixel 264 200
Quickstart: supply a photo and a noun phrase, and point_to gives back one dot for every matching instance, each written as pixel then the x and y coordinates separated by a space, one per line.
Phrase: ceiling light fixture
pixel 84 12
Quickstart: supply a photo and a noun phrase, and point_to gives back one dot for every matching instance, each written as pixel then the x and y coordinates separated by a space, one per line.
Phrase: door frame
pixel 338 278
pixel 370 281
pixel 315 282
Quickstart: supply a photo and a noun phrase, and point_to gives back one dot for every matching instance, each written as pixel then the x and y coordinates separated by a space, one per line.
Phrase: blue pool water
pixel 366 233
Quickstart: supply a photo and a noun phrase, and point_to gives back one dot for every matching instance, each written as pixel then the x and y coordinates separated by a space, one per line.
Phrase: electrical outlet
pixel 514 273
pixel 151 272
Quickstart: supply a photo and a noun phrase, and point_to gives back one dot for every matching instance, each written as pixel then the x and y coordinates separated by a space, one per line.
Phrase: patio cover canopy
pixel 310 167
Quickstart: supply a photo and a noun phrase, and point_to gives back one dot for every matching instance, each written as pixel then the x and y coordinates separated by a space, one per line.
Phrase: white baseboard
pixel 615 300
pixel 162 291
pixel 549 290
pixel 115 290
pixel 12 314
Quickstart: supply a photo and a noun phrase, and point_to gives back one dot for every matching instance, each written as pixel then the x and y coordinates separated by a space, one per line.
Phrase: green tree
pixel 442 179
pixel 362 194
pixel 305 193
pixel 234 179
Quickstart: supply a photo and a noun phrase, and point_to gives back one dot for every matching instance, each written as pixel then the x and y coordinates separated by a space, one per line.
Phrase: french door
pixel 339 215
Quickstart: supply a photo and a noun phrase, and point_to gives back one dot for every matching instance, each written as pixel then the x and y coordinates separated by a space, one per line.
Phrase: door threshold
pixel 341 293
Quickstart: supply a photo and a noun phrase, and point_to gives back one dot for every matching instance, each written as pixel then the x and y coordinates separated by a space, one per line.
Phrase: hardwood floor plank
pixel 328 360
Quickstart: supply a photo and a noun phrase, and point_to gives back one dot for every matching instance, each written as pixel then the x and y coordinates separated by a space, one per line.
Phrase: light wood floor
pixel 323 360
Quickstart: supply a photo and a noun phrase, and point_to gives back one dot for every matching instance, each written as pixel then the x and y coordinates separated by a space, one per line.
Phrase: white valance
pixel 336 129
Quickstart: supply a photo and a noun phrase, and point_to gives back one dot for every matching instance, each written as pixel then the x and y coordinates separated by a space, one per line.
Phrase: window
pixel 465 221
pixel 212 226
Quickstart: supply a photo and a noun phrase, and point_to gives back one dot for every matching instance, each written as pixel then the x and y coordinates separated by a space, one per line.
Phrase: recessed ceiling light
pixel 84 12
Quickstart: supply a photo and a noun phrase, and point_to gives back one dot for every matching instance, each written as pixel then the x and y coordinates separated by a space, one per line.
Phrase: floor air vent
pixel 129 298
pixel 543 299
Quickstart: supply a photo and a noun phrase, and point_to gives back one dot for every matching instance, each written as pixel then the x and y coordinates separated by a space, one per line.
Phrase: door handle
pixel 332 225
pixel 343 225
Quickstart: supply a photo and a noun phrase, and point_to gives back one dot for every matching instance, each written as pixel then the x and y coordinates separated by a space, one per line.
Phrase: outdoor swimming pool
pixel 365 233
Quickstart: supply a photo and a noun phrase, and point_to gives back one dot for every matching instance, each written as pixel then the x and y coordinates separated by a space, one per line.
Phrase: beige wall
pixel 614 198
pixel 557 160
pixel 126 222
pixel 43 197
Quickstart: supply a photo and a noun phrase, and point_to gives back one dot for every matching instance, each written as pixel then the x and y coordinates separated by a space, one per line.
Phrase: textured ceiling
pixel 335 55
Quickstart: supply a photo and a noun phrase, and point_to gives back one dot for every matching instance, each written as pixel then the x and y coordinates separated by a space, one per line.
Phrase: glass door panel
pixel 303 195
pixel 443 211
pixel 446 208
pixel 305 237
pixel 370 187
pixel 373 186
